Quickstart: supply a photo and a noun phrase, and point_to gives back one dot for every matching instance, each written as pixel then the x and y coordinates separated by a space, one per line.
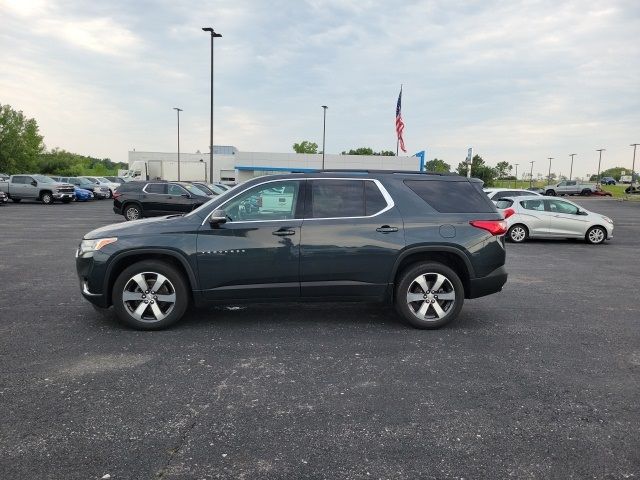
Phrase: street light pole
pixel 324 129
pixel 633 165
pixel 178 110
pixel 213 35
pixel 571 169
pixel 549 175
pixel 531 174
pixel 599 160
pixel 516 164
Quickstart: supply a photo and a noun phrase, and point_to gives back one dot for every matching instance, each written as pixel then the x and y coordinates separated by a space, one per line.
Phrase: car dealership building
pixel 231 165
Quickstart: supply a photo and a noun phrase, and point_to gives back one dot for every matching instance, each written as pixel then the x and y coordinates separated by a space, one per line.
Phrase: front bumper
pixel 63 196
pixel 91 270
pixel 492 283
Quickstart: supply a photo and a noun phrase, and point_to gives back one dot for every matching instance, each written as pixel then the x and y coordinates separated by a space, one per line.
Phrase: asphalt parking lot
pixel 539 381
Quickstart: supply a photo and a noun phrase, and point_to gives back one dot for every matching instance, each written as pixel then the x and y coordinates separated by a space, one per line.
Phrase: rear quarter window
pixel 451 197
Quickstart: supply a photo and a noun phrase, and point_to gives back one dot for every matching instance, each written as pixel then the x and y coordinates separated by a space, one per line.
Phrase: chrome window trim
pixel 383 190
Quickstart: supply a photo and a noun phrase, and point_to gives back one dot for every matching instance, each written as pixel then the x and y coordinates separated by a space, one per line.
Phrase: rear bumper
pixel 492 283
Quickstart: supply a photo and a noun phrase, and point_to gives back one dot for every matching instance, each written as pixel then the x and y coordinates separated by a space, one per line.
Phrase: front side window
pixel 558 206
pixel 270 201
pixel 195 190
pixel 337 198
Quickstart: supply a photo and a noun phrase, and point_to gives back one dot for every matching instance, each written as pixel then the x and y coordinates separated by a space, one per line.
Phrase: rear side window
pixel 160 188
pixel 130 187
pixel 451 197
pixel 337 198
pixel 533 205
pixel 503 203
pixel 373 199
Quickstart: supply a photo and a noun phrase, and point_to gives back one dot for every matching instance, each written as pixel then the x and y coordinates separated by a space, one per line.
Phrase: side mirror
pixel 34 183
pixel 217 218
pixel 582 212
pixel 186 195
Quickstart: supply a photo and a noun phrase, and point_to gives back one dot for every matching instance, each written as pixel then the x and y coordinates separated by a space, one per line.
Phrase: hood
pixel 144 226
pixel 61 184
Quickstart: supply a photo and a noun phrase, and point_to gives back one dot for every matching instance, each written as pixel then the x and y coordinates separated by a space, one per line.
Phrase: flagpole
pixel 397 146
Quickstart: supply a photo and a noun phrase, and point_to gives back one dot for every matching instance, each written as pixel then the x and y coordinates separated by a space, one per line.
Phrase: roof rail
pixel 358 170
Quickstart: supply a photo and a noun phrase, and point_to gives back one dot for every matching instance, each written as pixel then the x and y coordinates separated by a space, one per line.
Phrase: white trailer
pixel 166 170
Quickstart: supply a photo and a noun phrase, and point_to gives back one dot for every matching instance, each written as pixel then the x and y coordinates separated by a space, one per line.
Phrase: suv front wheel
pixel 429 295
pixel 150 295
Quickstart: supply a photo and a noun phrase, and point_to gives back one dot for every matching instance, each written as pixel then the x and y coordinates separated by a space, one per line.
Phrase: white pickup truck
pixel 569 187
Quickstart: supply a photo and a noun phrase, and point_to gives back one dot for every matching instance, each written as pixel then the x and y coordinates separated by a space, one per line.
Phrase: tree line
pixel 22 150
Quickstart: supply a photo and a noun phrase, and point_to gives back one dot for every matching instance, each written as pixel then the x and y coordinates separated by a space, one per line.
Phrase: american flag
pixel 399 122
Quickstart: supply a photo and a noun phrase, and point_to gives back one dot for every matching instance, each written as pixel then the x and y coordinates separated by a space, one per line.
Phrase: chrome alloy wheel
pixel 518 233
pixel 596 235
pixel 431 296
pixel 149 297
pixel 132 213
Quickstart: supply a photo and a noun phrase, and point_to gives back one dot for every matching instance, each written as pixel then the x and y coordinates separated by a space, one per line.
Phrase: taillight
pixel 116 195
pixel 494 227
pixel 508 212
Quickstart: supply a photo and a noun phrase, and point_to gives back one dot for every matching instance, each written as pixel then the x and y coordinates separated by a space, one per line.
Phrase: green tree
pixel 20 141
pixel 503 168
pixel 305 146
pixel 479 169
pixel 437 165
pixel 369 151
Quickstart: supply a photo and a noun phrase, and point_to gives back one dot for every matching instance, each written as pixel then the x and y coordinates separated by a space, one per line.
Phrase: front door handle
pixel 283 232
pixel 386 229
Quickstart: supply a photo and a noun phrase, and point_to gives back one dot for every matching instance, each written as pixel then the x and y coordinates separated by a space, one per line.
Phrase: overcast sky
pixel 517 81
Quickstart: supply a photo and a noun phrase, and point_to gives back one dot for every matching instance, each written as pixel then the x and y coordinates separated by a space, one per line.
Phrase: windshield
pixel 216 189
pixel 43 179
pixel 201 211
pixel 195 190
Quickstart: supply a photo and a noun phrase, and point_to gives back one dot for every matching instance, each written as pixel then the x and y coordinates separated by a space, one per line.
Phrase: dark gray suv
pixel 422 241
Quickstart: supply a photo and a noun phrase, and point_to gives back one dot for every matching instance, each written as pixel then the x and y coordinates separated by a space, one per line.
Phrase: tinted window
pixel 558 206
pixel 451 197
pixel 504 203
pixel 130 187
pixel 337 198
pixel 373 199
pixel 19 179
pixel 272 201
pixel 533 205
pixel 195 190
pixel 176 190
pixel 160 188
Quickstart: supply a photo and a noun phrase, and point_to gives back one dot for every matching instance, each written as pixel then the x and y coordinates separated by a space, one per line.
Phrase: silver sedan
pixel 550 217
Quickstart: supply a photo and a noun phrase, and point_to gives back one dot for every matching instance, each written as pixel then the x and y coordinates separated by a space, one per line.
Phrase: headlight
pixel 607 219
pixel 87 246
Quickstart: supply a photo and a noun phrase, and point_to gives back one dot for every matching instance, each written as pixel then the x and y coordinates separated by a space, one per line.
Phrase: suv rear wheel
pixel 150 295
pixel 132 212
pixel 429 295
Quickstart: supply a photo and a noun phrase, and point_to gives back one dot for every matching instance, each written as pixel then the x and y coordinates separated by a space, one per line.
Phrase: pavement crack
pixel 193 417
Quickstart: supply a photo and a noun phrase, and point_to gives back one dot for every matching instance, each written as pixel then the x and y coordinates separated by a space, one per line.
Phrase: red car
pixel 601 193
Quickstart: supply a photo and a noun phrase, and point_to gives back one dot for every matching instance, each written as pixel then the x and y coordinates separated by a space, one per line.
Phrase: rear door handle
pixel 386 229
pixel 283 232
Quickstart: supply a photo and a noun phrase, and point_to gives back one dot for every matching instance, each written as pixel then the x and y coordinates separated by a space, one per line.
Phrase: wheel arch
pixel 125 259
pixel 449 256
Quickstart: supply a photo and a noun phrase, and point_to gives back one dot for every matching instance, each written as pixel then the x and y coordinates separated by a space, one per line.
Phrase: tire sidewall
pixel 180 284
pixel 129 207
pixel 405 280
pixel 604 235
pixel 513 227
pixel 47 198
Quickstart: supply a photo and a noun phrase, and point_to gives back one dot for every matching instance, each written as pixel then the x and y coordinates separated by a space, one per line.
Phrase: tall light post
pixel 516 164
pixel 571 169
pixel 549 175
pixel 324 129
pixel 531 174
pixel 599 161
pixel 213 35
pixel 633 165
pixel 178 110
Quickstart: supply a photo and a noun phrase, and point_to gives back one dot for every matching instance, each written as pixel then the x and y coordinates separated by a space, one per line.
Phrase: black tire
pixel 174 285
pixel 586 192
pixel 46 198
pixel 430 273
pixel 16 200
pixel 132 211
pixel 550 193
pixel 110 194
pixel 518 233
pixel 596 235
